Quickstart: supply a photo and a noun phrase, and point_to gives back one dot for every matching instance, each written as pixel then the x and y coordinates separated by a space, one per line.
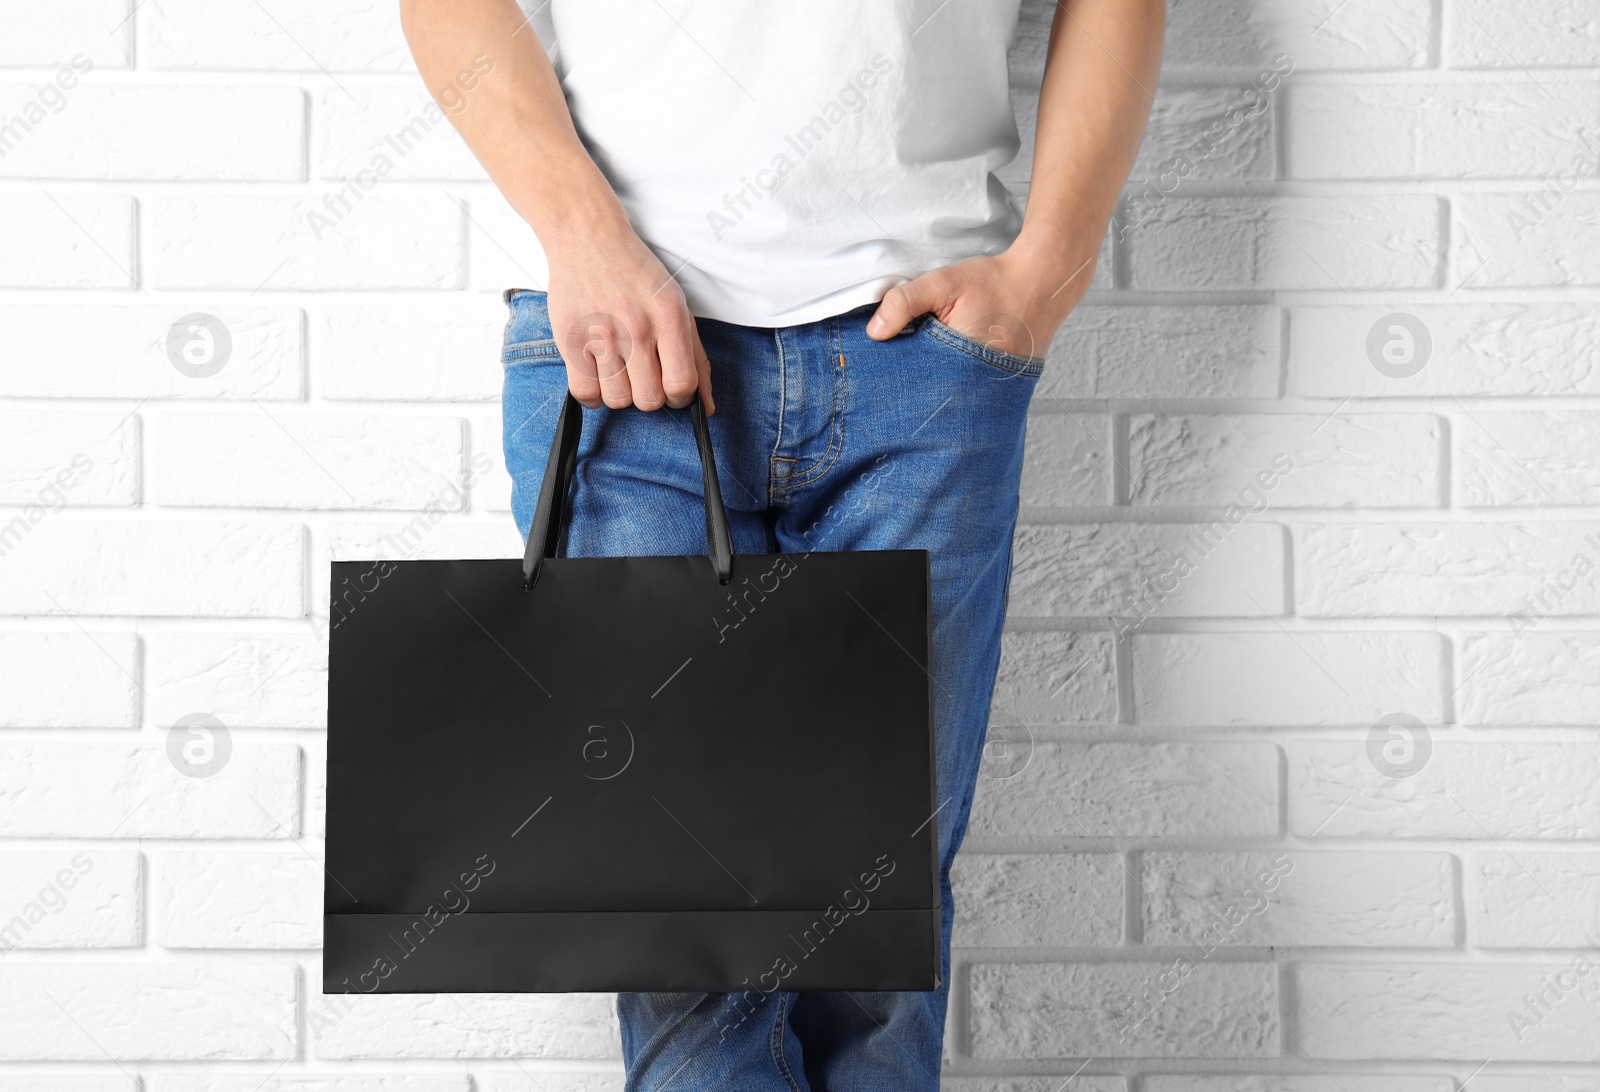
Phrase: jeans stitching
pixel 778 1026
pixel 836 438
pixel 774 488
pixel 999 358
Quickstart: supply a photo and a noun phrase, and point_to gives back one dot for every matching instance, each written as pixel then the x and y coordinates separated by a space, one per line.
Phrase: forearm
pixel 514 118
pixel 1099 78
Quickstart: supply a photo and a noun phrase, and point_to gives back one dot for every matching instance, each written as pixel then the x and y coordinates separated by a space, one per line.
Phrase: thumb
pixel 901 304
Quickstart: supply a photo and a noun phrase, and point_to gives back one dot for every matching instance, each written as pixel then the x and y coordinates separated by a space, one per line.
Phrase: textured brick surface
pixel 1297 899
pixel 1015 901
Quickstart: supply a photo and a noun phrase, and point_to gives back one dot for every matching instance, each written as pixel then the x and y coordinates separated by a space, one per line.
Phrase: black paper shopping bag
pixel 631 773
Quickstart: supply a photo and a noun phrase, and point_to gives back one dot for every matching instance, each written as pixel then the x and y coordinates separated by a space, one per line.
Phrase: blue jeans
pixel 824 440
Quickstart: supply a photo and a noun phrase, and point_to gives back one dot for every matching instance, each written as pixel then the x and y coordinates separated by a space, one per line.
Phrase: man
pixel 797 201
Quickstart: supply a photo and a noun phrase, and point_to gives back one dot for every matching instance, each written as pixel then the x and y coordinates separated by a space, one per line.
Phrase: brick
pixel 1536 34
pixel 261 459
pixel 1281 243
pixel 1541 1083
pixel 69 679
pixel 1463 790
pixel 1281 678
pixel 66 240
pixel 504 252
pixel 111 1082
pixel 1368 569
pixel 147 1011
pixel 414 353
pixel 67 899
pixel 1067 460
pixel 1096 570
pixel 1439 1011
pixel 1220 133
pixel 1157 352
pixel 1134 790
pixel 1310 460
pixel 1530 238
pixel 239 900
pixel 398 129
pixel 293 36
pixel 1436 130
pixel 1081 1082
pixel 1524 899
pixel 1174 1082
pixel 284 1082
pixel 1030 44
pixel 164 132
pixel 102 351
pixel 36 36
pixel 1537 678
pixel 1299 899
pixel 1312 34
pixel 484 1025
pixel 59 458
pixel 277 680
pixel 546 1081
pixel 1078 1010
pixel 105 790
pixel 315 791
pixel 1022 900
pixel 1057 678
pixel 1194 133
pixel 187 567
pixel 346 237
pixel 1528 459
pixel 487 478
pixel 1481 349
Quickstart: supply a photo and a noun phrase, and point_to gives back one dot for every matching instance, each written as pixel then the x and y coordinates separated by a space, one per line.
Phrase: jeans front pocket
pixel 1015 363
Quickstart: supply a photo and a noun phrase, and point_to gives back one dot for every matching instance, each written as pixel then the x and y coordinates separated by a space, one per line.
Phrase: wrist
pixel 583 219
pixel 1056 255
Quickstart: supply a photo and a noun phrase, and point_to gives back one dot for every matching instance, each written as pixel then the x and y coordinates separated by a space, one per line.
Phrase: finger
pixel 702 364
pixel 644 375
pixel 591 349
pixel 904 302
pixel 679 345
pixel 612 368
pixel 584 386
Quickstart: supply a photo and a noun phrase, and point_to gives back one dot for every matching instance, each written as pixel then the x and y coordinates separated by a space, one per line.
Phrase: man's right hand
pixel 619 317
pixel 623 327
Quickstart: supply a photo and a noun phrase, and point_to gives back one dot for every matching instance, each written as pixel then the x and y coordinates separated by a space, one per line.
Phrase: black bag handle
pixel 545 534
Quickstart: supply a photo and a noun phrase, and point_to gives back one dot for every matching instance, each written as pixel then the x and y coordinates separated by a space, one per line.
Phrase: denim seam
pixel 529 350
pixel 836 433
pixel 776 1041
pixel 773 488
pixel 999 358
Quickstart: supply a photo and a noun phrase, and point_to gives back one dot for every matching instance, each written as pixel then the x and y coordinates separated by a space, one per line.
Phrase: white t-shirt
pixel 789 160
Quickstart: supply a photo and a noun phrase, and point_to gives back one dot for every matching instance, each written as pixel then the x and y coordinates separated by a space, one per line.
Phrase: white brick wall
pixel 1217 871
